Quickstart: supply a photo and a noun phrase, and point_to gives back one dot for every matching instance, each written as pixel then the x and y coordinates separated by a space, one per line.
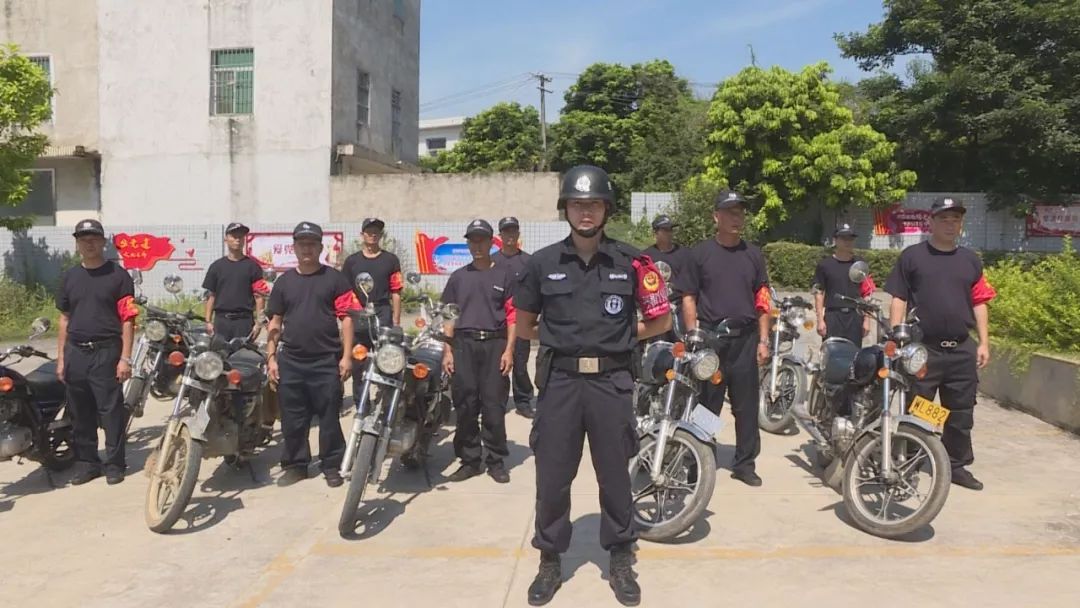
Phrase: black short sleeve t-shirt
pixel 90 297
pixel 831 276
pixel 677 258
pixel 938 283
pixel 725 280
pixel 232 283
pixel 385 271
pixel 309 304
pixel 481 295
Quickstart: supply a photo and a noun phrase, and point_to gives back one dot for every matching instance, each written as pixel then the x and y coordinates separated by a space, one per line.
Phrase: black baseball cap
pixel 845 230
pixel 479 228
pixel 236 227
pixel 88 226
pixel 508 222
pixel 307 229
pixel 372 221
pixel 728 199
pixel 663 221
pixel 947 204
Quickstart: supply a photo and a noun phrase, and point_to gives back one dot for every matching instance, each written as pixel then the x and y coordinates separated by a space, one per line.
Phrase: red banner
pixel 440 255
pixel 1054 220
pixel 142 251
pixel 898 220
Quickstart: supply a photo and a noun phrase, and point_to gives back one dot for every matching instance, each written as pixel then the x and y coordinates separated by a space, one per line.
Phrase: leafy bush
pixel 20 305
pixel 1038 308
pixel 411 293
pixel 639 235
pixel 791 265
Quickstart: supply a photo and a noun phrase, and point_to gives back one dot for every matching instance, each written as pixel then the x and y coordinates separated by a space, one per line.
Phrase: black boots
pixel 547 581
pixel 621 577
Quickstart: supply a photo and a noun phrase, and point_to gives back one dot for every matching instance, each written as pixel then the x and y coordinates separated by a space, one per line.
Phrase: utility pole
pixel 544 79
pixel 753 57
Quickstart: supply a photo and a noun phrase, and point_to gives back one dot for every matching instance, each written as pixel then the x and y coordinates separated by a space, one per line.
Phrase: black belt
pixel 590 365
pixel 480 335
pixel 946 343
pixel 733 331
pixel 839 309
pixel 233 316
pixel 95 344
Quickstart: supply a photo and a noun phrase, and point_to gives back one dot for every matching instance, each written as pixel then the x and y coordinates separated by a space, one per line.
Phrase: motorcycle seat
pixel 249 365
pixel 43 383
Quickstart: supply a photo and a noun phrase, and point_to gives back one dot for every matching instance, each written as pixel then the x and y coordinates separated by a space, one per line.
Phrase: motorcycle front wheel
pixel 664 510
pixel 775 413
pixel 169 493
pixel 908 500
pixel 361 469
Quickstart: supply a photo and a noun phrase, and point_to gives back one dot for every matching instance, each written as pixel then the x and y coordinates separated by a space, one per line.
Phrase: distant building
pixel 439 135
pixel 170 111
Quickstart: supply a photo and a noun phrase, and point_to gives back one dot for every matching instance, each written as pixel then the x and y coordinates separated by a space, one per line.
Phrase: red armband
pixel 763 300
pixel 511 312
pixel 260 287
pixel 652 294
pixel 982 291
pixel 396 284
pixel 346 303
pixel 126 309
pixel 868 287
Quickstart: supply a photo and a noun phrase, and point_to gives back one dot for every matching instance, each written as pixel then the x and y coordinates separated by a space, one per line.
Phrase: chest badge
pixel 557 276
pixel 613 304
pixel 651 281
pixel 618 276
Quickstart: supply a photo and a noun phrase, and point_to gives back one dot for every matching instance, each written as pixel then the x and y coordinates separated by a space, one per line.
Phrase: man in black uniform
pixel 666 250
pixel 511 256
pixel 836 318
pixel 726 280
pixel 578 297
pixel 946 283
pixel 385 270
pixel 314 357
pixel 97 326
pixel 236 287
pixel 481 356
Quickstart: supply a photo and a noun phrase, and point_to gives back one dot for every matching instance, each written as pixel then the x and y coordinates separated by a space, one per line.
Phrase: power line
pixel 508 87
pixel 479 90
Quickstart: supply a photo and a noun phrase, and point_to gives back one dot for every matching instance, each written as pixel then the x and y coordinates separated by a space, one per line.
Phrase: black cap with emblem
pixel 663 222
pixel 88 227
pixel 588 183
pixel 372 222
pixel 845 230
pixel 508 222
pixel 947 204
pixel 728 199
pixel 307 230
pixel 479 228
pixel 237 227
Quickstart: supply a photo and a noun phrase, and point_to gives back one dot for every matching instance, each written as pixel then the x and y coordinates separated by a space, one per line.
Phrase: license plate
pixel 706 420
pixel 929 411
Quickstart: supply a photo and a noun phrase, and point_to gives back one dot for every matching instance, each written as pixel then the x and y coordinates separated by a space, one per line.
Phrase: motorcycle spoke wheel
pixel 896 499
pixel 666 508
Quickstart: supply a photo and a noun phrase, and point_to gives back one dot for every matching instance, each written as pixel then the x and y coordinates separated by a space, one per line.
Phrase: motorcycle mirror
pixel 665 270
pixel 859 271
pixel 413 277
pixel 365 283
pixel 173 284
pixel 136 276
pixel 39 326
pixel 205 295
pixel 451 312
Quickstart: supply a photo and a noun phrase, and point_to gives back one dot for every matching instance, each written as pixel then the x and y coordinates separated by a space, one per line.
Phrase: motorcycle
pixel 34 420
pixel 404 399
pixel 783 382
pixel 222 408
pixel 674 472
pixel 882 460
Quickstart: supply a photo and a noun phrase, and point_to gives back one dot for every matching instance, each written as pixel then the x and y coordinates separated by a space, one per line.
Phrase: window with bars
pixel 232 82
pixel 395 122
pixel 45 63
pixel 435 145
pixel 363 101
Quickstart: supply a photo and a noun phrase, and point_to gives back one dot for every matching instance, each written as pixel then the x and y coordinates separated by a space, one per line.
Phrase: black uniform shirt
pixel 677 258
pixel 310 305
pixel 385 271
pixel 943 285
pixel 484 297
pixel 831 276
pixel 729 282
pixel 97 301
pixel 588 310
pixel 234 284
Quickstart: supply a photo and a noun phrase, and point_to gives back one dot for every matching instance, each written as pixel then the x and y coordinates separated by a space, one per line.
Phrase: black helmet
pixel 586 182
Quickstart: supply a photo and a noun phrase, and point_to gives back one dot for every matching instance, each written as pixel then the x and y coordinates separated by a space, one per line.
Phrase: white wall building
pixel 211 110
pixel 439 134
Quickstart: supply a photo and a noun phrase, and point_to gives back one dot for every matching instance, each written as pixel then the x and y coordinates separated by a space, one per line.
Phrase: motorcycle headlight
pixel 155 331
pixel 796 317
pixel 914 357
pixel 208 366
pixel 704 363
pixel 390 359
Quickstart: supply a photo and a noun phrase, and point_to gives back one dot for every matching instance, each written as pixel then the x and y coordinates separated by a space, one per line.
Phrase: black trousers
pixel 386 319
pixel 738 365
pixel 953 372
pixel 848 325
pixel 479 392
pixel 233 328
pixel 523 387
pixel 96 397
pixel 310 388
pixel 572 406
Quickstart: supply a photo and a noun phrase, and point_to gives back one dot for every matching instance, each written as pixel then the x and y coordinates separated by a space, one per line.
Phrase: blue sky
pixel 468 44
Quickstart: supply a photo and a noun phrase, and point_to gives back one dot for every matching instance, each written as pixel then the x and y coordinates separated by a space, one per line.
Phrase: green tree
pixel 505 137
pixel 997 110
pixel 25 97
pixel 786 139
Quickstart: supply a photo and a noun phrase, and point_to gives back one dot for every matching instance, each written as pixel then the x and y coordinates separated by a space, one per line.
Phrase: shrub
pixel 20 305
pixel 791 265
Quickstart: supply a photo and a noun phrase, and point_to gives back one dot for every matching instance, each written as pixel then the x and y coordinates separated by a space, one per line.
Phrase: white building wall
pixel 451 133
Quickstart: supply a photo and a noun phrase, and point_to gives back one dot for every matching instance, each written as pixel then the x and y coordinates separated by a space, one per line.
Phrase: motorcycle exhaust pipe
pixel 804 420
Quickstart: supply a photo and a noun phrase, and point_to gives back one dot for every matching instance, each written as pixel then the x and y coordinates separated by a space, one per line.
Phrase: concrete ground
pixel 246 542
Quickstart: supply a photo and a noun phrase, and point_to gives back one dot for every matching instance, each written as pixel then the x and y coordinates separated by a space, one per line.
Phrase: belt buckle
pixel 588 365
pixel 949 344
